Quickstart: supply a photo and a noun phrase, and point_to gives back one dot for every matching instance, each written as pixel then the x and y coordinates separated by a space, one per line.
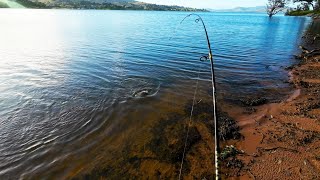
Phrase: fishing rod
pixel 213 81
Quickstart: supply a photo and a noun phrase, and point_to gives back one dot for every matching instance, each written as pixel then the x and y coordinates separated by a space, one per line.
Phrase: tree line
pixel 275 6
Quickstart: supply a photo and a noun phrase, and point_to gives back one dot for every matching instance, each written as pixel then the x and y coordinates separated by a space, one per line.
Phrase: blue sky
pixel 214 4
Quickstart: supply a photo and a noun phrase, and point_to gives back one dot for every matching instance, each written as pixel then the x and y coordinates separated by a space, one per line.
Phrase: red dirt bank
pixel 282 140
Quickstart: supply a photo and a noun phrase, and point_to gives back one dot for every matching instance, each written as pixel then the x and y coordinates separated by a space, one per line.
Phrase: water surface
pixel 69 78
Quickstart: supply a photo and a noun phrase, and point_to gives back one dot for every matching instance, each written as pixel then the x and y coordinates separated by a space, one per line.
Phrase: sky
pixel 212 4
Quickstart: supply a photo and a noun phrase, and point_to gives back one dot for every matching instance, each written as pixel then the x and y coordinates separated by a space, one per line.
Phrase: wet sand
pixel 282 140
pixel 150 147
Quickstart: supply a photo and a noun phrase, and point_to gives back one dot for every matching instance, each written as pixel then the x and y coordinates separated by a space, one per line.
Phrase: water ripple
pixel 75 77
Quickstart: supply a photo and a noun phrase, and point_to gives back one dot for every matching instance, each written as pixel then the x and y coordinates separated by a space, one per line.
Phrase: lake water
pixel 70 79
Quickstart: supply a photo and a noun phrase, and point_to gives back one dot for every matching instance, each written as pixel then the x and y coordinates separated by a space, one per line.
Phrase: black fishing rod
pixel 213 81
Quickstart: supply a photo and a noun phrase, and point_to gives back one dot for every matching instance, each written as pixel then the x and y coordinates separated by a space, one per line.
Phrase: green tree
pixel 309 2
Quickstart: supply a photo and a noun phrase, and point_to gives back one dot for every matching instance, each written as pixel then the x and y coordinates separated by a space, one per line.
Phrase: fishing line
pixel 213 83
pixel 189 123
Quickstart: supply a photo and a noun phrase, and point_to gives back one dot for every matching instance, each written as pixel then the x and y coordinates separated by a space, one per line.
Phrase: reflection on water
pixel 83 91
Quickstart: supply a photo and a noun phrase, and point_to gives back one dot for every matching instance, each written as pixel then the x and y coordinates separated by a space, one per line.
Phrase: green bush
pixel 301 13
pixel 3 5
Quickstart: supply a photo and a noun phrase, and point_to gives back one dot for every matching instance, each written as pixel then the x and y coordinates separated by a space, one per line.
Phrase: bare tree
pixel 275 6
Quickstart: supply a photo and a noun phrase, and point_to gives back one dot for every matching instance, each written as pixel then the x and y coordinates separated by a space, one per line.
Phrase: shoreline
pixel 282 140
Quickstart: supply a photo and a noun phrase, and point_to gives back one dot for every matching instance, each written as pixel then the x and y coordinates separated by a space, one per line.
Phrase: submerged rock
pixel 229 151
pixel 169 139
pixel 254 101
pixel 203 111
pixel 228 128
pixel 250 110
pixel 230 161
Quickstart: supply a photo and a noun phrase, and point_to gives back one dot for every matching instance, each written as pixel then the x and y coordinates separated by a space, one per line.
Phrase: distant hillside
pixel 101 4
pixel 78 1
pixel 10 4
pixel 242 9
